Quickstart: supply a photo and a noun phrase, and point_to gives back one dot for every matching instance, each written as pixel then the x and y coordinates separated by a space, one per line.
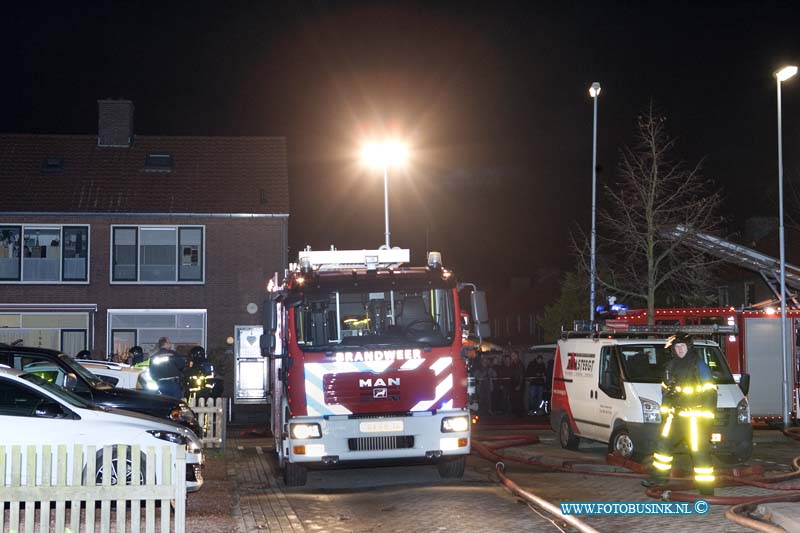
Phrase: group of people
pixel 501 381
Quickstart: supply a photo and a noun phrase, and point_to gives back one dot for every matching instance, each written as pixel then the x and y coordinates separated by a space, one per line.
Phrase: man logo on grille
pixel 379 393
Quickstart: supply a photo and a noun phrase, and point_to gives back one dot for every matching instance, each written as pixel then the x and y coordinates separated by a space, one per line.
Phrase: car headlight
pixel 743 411
pixel 305 431
pixel 182 414
pixel 455 424
pixel 651 411
pixel 168 436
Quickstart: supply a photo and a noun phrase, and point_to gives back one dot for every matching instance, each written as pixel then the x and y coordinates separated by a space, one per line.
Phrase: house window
pixel 67 332
pixel 52 165
pixel 157 254
pixel 158 163
pixel 749 293
pixel 44 254
pixel 724 296
pixel 186 328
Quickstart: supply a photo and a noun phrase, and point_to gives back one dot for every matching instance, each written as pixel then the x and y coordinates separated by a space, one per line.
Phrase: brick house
pixel 115 239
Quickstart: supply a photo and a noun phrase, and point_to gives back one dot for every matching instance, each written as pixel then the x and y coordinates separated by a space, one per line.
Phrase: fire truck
pixel 753 352
pixel 369 362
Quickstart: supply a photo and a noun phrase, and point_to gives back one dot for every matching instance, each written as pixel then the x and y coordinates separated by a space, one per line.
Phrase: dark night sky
pixel 492 96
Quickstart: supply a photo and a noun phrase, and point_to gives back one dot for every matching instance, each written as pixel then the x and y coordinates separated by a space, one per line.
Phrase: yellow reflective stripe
pixel 661 466
pixel 664 409
pixel 693 433
pixel 663 458
pixel 704 470
pixel 667 425
pixel 704 478
pixel 708 386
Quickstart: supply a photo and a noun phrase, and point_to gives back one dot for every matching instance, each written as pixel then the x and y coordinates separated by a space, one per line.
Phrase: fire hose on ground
pixel 488 447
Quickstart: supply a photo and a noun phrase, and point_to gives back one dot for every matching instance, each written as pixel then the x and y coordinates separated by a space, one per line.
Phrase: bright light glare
pixel 385 154
pixel 786 72
pixel 594 90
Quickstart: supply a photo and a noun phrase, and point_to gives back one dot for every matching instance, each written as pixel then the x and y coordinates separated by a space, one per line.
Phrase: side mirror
pixel 480 315
pixel 744 383
pixel 270 322
pixel 48 409
pixel 70 381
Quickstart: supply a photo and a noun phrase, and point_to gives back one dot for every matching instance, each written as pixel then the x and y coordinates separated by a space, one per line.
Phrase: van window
pixel 644 363
pixel 610 379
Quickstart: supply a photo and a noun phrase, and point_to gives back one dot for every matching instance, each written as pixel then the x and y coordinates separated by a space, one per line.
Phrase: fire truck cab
pixel 366 362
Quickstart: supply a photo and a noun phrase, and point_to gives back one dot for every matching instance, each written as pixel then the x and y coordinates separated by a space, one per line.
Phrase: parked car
pixel 36 411
pixel 64 371
pixel 121 375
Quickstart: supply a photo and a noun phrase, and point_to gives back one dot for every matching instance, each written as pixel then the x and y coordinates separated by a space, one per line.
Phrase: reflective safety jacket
pixel 688 385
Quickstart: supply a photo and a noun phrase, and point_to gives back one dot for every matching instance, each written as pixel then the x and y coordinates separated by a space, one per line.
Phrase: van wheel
pixel 294 475
pixel 452 468
pixel 622 443
pixel 566 437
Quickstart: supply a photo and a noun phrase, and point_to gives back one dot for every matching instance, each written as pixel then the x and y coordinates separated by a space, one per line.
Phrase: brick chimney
pixel 115 123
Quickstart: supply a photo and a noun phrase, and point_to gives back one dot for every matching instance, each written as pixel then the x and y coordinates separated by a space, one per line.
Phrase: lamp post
pixel 782 75
pixel 383 155
pixel 594 92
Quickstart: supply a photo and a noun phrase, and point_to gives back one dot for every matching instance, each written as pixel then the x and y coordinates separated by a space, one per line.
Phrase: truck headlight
pixel 743 411
pixel 168 436
pixel 455 424
pixel 651 411
pixel 305 431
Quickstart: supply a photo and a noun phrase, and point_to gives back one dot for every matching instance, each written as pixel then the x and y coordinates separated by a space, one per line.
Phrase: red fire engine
pixel 367 362
pixel 754 350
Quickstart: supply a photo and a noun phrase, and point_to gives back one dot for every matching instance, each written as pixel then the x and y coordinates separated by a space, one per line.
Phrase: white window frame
pixel 139 281
pixel 83 314
pixel 110 312
pixel 40 225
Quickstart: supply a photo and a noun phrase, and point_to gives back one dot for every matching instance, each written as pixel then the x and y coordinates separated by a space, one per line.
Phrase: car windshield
pixel 93 380
pixel 644 363
pixel 360 319
pixel 60 392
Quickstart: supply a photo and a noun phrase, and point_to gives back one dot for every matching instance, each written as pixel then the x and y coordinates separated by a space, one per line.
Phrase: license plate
pixel 716 437
pixel 381 426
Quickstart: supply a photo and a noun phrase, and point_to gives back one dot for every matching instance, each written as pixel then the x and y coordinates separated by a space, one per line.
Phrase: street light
pixel 383 155
pixel 782 75
pixel 594 92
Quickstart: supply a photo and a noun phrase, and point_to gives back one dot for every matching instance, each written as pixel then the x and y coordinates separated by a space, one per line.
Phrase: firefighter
pixel 135 356
pixel 689 400
pixel 166 367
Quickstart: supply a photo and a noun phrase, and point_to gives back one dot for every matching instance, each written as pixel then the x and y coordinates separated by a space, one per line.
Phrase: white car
pixel 121 375
pixel 35 411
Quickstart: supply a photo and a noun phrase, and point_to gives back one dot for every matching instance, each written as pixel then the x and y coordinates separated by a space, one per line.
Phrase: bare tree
pixel 636 258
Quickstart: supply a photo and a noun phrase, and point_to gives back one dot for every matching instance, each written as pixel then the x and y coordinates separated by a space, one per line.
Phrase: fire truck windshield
pixel 351 318
pixel 644 363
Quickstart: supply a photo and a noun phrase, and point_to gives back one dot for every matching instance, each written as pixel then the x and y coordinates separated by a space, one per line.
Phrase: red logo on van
pixel 572 363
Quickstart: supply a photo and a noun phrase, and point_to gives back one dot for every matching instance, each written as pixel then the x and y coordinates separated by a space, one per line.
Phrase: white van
pixel 608 389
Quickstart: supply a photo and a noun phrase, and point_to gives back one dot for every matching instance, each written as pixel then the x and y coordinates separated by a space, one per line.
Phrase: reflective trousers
pixel 692 427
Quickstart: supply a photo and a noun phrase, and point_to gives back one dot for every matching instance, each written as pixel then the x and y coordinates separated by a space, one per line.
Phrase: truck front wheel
pixel 294 475
pixel 452 468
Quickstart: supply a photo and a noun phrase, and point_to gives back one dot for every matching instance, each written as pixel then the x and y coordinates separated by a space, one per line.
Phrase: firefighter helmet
pixel 83 354
pixel 136 351
pixel 679 338
pixel 198 352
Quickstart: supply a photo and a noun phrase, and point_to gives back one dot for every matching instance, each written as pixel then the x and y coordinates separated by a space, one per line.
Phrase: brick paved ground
pixel 411 499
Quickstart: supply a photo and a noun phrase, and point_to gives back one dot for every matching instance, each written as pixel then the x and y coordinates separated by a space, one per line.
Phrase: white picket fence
pixel 69 499
pixel 212 413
